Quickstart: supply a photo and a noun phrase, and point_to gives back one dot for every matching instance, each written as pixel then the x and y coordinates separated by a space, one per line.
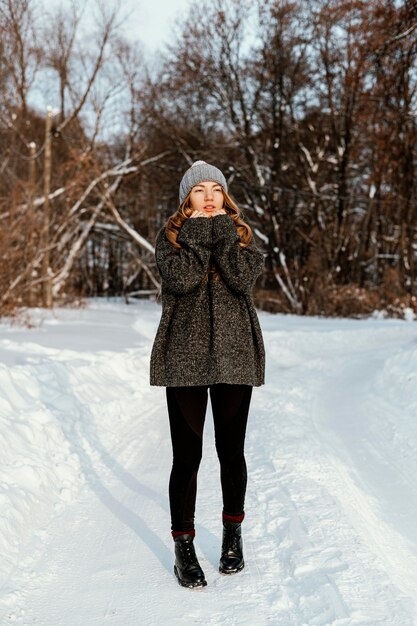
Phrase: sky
pixel 151 21
pixel 148 22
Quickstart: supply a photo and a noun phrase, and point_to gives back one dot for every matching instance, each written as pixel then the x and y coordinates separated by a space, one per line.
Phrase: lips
pixel 209 206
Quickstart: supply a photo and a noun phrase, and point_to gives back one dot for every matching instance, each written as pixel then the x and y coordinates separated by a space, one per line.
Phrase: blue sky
pixel 151 21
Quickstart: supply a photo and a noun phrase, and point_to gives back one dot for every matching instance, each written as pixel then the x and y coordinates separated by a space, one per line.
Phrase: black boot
pixel 187 568
pixel 231 560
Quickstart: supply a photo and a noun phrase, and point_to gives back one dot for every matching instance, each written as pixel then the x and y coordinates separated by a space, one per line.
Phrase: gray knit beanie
pixel 199 171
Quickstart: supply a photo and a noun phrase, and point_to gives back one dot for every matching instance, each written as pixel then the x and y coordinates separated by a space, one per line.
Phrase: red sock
pixel 238 519
pixel 178 533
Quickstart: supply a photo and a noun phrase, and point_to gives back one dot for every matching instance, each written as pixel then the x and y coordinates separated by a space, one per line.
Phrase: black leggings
pixel 187 410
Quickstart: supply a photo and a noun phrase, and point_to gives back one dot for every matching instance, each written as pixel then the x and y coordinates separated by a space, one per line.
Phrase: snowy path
pixel 330 535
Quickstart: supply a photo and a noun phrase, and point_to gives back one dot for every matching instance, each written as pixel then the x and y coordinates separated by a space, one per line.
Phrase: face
pixel 206 197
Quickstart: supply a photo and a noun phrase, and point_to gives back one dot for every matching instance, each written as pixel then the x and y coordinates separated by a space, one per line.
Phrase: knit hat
pixel 199 171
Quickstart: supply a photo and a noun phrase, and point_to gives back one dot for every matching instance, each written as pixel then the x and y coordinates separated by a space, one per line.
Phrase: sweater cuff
pixel 196 230
pixel 224 228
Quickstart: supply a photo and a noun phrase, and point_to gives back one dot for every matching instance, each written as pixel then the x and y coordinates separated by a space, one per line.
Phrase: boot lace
pixel 231 541
pixel 188 553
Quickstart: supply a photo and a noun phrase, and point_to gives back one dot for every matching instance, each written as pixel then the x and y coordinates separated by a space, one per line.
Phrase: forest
pixel 309 108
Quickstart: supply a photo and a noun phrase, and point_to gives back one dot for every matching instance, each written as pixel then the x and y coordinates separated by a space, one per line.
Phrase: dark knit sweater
pixel 209 330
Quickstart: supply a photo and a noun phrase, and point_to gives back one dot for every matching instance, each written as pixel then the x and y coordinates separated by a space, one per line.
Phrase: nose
pixel 208 195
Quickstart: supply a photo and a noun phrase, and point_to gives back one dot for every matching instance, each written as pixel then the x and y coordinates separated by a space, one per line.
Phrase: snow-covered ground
pixel 330 532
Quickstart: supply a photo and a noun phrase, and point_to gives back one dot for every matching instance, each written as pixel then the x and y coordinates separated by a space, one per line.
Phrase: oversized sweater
pixel 209 331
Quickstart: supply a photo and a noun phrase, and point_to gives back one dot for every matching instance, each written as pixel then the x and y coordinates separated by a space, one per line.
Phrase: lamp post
pixel 31 211
pixel 46 268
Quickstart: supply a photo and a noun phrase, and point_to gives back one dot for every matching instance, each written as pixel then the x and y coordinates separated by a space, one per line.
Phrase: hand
pixel 199 214
pixel 219 212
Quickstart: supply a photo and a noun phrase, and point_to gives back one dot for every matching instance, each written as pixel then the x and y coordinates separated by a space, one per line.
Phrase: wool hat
pixel 199 171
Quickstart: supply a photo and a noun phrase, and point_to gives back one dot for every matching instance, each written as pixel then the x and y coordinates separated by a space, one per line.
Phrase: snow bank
pixel 39 467
pixel 50 400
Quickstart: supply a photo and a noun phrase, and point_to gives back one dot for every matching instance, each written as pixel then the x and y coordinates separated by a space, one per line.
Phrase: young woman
pixel 208 339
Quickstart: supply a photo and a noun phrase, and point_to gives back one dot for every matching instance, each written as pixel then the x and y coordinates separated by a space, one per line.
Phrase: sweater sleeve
pixel 183 269
pixel 238 266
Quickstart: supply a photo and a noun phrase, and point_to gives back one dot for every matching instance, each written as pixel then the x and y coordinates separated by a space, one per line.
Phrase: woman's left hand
pixel 198 214
pixel 208 214
pixel 218 212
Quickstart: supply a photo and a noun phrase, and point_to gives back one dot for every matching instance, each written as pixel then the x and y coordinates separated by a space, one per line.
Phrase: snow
pixel 330 534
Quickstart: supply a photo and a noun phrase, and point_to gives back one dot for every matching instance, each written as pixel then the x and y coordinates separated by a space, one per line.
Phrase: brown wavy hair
pixel 183 213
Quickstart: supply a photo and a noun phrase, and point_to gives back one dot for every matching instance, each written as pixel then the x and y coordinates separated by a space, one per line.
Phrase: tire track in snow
pixel 99 466
pixel 331 576
pixel 107 527
pixel 363 470
pixel 305 589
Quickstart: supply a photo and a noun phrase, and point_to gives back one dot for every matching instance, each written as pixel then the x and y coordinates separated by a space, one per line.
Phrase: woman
pixel 208 338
